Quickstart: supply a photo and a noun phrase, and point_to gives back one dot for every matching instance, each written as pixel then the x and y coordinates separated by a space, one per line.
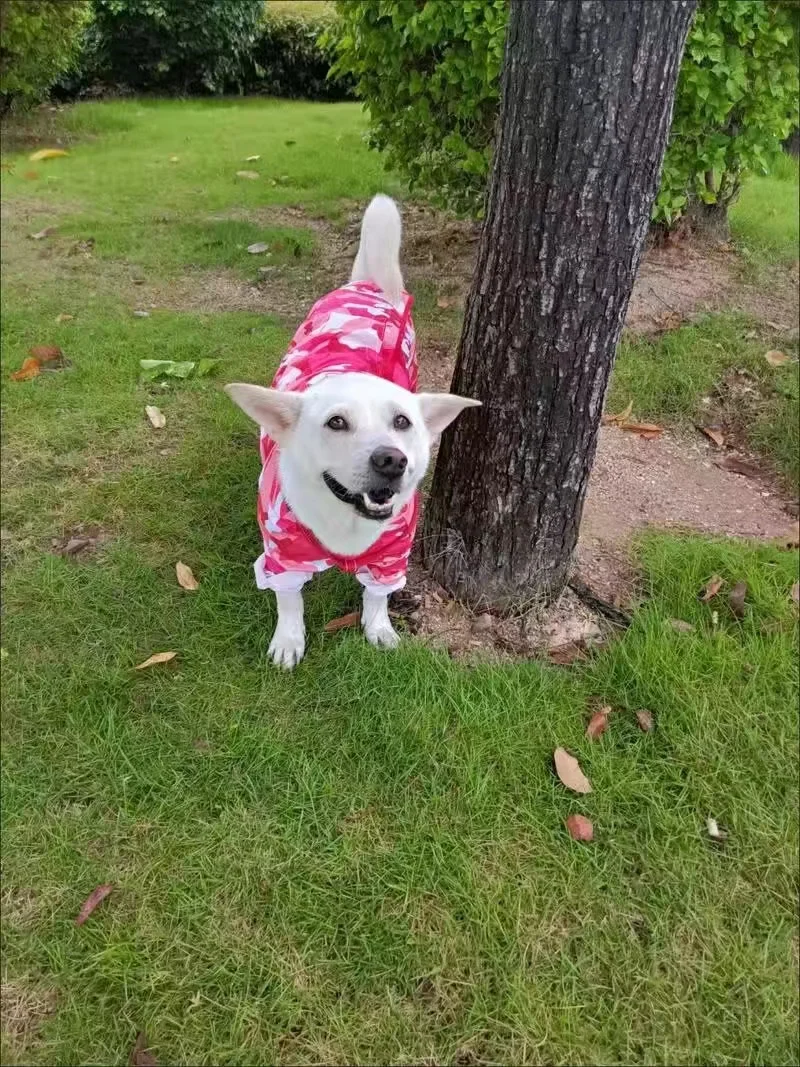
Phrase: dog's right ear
pixel 277 412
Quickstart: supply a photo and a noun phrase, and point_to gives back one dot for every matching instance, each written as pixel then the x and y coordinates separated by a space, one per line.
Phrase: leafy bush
pixel 180 46
pixel 291 57
pixel 428 72
pixel 736 102
pixel 39 40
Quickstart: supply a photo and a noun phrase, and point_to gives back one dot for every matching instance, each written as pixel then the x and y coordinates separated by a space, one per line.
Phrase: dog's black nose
pixel 388 462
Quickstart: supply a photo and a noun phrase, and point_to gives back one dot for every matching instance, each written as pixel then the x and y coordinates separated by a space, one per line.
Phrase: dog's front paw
pixel 287 648
pixel 382 635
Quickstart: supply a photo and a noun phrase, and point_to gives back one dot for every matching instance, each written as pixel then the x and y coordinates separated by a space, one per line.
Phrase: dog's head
pixel 367 440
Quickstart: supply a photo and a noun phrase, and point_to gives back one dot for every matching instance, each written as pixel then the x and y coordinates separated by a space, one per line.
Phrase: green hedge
pixel 201 46
pixel 181 46
pixel 290 58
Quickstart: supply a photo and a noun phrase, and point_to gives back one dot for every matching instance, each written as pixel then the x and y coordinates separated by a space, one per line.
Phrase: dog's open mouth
pixel 374 504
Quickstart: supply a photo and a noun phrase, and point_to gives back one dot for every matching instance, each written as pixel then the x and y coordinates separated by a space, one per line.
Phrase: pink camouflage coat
pixel 353 329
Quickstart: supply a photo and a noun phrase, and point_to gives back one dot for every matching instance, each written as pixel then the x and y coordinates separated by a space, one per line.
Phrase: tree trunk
pixel 710 220
pixel 586 108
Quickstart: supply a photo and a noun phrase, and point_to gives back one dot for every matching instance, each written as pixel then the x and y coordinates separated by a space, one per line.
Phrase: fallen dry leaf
pixel 186 580
pixel 141 1056
pixel 251 174
pixel 158 657
pixel 795 593
pixel 45 353
pixel 712 587
pixel 736 599
pixel 621 416
pixel 46 232
pixel 648 430
pixel 645 720
pixel 97 896
pixel 47 153
pixel 680 626
pixel 776 358
pixel 443 302
pixel 251 159
pixel 156 416
pixel 668 320
pixel 174 159
pixel 563 655
pixel 737 465
pixel 713 434
pixel 580 828
pixel 569 772
pixel 259 246
pixel 598 724
pixel 29 369
pixel 76 545
pixel 31 175
pixel 352 619
pixel 63 317
pixel 713 830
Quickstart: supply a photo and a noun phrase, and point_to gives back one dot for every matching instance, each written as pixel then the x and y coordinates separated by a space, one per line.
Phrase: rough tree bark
pixel 586 106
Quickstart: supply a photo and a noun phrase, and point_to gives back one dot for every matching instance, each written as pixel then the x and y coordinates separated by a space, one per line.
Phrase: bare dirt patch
pixel 678 282
pixel 670 482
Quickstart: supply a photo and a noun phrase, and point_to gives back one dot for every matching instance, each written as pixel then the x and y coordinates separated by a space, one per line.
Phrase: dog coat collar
pixel 353 329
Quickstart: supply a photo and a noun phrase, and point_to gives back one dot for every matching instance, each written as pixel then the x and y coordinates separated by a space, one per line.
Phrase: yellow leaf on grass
pixel 713 435
pixel 352 619
pixel 251 174
pixel 156 416
pixel 251 159
pixel 47 153
pixel 29 369
pixel 712 587
pixel 644 429
pixel 186 580
pixel 623 416
pixel 775 358
pixel 569 771
pixel 157 657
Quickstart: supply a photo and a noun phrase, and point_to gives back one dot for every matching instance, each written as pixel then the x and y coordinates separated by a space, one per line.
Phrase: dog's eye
pixel 401 422
pixel 337 423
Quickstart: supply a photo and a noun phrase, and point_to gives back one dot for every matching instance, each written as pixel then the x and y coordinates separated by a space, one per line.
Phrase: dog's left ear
pixel 276 411
pixel 439 409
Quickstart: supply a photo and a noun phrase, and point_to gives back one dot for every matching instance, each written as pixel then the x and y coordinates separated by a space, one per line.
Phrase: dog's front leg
pixel 378 628
pixel 288 643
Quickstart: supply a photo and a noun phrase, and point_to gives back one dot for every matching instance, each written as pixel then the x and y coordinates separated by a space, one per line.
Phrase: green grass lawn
pixel 765 219
pixel 365 861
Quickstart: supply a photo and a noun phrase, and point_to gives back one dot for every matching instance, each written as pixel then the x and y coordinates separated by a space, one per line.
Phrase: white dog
pixel 345 442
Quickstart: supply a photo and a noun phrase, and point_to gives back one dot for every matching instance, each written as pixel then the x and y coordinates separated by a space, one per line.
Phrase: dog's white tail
pixel 378 258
